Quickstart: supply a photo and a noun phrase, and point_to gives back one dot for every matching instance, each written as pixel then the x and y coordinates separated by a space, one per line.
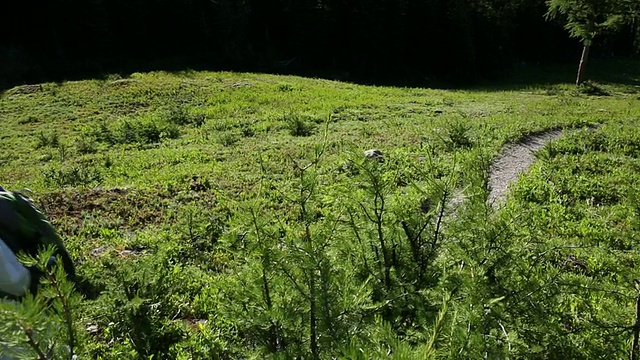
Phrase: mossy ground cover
pixel 229 215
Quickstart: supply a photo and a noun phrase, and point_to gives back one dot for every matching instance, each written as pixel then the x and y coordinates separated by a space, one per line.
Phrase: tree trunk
pixel 636 331
pixel 583 62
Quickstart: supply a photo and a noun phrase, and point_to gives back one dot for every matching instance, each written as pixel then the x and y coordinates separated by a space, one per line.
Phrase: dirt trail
pixel 513 161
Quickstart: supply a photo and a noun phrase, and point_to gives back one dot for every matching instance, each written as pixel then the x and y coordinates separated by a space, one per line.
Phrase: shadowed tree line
pixel 417 40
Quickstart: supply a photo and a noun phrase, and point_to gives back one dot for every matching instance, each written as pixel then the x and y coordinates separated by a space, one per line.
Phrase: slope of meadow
pixel 229 215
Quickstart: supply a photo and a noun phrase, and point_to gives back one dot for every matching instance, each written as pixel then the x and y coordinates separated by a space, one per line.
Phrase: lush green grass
pixel 182 195
pixel 220 115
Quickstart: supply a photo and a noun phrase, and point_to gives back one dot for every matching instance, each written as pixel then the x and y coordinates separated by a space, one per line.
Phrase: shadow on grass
pixel 624 73
pixel 88 289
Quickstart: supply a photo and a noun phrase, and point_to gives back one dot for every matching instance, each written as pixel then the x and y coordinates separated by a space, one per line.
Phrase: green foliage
pixel 592 88
pixel 29 120
pixel 43 325
pixel 586 19
pixel 86 145
pixel 248 130
pixel 228 138
pixel 457 135
pixel 50 140
pixel 139 130
pixel 138 309
pixel 179 115
pixel 285 246
pixel 576 227
pixel 285 87
pixel 73 175
pixel 298 124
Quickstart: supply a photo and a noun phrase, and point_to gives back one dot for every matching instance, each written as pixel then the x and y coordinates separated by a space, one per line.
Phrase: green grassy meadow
pixel 234 215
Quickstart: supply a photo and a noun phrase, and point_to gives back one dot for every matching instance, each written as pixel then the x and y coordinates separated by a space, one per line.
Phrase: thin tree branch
pixel 636 331
pixel 33 343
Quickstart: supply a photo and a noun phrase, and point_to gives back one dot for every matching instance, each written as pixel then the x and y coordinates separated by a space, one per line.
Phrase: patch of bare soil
pixel 123 208
pixel 131 207
pixel 514 160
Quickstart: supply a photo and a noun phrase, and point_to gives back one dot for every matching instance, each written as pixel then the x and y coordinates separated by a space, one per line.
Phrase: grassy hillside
pixel 226 215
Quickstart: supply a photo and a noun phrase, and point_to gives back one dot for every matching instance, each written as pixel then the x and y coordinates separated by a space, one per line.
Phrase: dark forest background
pixel 453 41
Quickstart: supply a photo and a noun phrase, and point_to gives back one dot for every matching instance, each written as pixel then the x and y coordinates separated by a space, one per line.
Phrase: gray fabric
pixel 14 278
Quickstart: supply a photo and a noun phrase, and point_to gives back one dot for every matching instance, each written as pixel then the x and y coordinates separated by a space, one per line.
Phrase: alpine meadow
pixel 235 215
pixel 320 179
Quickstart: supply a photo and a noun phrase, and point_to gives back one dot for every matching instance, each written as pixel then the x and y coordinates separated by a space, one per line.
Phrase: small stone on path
pixel 374 154
pixel 93 329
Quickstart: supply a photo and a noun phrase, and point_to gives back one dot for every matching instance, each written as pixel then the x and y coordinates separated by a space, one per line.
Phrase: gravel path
pixel 513 161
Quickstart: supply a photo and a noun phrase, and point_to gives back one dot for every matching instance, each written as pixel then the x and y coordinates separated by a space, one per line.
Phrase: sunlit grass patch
pixel 213 212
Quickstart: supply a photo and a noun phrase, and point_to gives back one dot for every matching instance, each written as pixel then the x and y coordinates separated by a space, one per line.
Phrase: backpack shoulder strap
pixel 15 230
